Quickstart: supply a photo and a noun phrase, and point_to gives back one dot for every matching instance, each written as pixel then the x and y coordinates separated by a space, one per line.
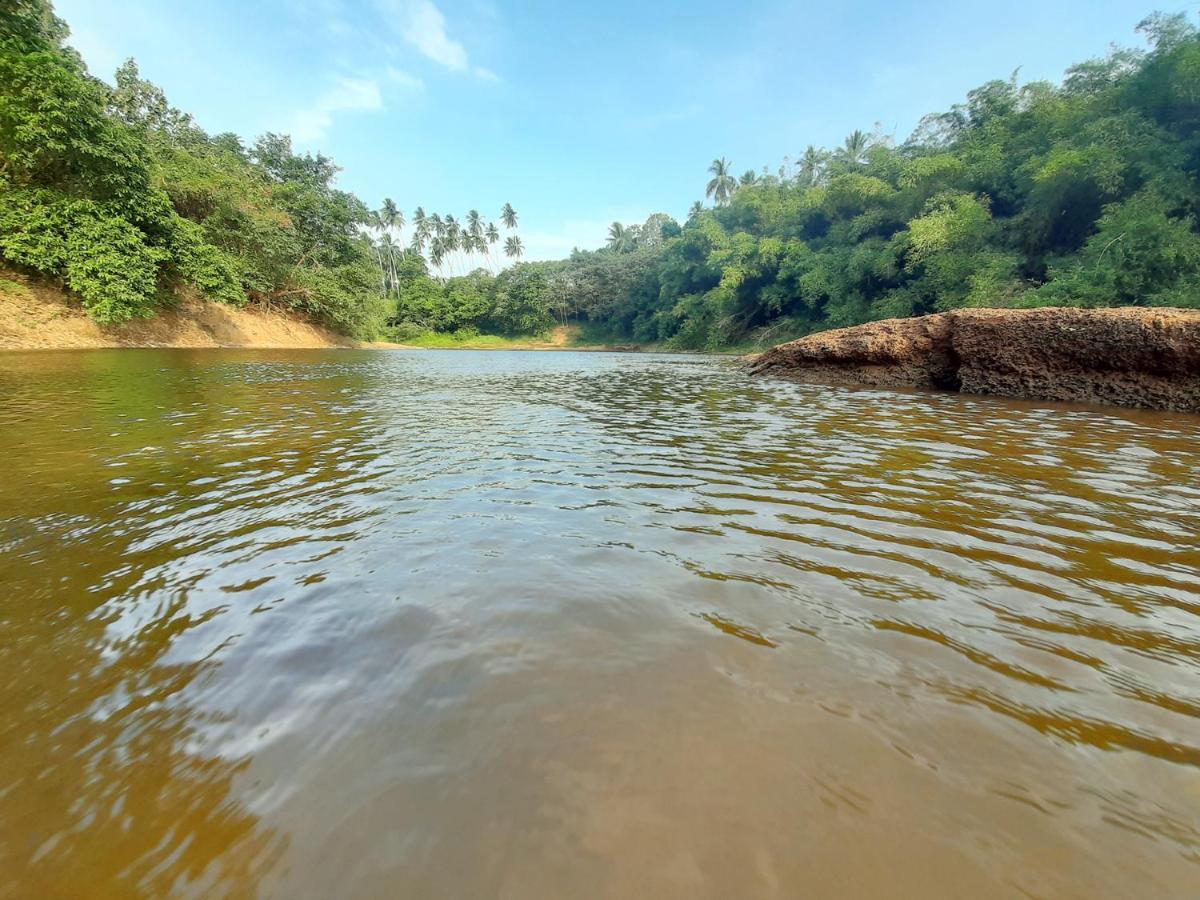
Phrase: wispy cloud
pixel 423 26
pixel 347 94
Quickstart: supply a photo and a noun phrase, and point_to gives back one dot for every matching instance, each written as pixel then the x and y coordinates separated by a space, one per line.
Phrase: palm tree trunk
pixel 382 272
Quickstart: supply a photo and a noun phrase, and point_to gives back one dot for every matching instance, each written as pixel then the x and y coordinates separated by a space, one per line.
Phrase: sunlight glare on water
pixel 465 624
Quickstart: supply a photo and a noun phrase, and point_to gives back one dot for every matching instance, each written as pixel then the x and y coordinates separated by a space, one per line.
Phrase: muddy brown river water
pixel 469 624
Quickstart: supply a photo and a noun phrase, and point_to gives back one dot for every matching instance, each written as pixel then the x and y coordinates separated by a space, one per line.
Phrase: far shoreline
pixel 37 315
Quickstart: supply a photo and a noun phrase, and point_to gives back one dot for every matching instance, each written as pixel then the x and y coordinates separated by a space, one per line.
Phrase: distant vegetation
pixel 124 199
pixel 1083 193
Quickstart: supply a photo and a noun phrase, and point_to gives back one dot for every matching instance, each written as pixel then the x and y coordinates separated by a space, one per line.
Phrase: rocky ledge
pixel 1126 357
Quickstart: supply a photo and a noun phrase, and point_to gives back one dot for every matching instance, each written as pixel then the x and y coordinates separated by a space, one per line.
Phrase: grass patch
pixel 456 340
pixel 469 339
pixel 14 289
pixel 571 337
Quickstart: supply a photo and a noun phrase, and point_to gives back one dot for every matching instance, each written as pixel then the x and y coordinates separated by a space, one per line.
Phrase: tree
pixel 508 216
pixel 513 248
pixel 522 300
pixel 812 166
pixel 420 226
pixel 621 238
pixel 722 185
pixel 854 149
pixel 491 235
pixel 656 231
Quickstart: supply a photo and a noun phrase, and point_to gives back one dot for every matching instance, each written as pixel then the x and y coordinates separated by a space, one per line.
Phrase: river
pixel 472 624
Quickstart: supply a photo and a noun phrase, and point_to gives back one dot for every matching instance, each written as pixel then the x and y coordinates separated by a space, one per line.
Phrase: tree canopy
pixel 1080 193
pixel 126 200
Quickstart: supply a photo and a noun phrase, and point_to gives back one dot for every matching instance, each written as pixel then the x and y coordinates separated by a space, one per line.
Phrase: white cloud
pixel 404 79
pixel 421 24
pixel 348 94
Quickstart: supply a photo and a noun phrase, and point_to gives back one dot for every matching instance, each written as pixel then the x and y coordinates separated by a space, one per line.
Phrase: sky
pixel 577 114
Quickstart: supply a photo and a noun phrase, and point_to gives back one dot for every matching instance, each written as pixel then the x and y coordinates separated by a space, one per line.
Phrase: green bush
pixel 99 256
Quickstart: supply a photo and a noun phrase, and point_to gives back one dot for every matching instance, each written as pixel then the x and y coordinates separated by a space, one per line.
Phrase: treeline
pixel 126 200
pixel 1083 193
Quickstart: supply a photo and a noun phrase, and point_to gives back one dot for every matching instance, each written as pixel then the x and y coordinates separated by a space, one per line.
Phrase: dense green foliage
pixel 125 199
pixel 1084 194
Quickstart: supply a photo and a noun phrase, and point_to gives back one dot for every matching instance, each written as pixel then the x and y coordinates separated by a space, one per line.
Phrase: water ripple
pixel 454 624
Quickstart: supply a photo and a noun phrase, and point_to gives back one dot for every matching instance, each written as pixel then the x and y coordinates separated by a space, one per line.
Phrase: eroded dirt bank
pixel 1127 357
pixel 37 316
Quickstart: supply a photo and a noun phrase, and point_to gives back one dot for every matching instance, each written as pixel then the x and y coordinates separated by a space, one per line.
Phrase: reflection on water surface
pixel 515 624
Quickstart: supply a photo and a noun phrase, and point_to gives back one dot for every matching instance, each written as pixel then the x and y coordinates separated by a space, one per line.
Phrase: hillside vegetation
pixel 1083 193
pixel 125 199
pixel 1078 194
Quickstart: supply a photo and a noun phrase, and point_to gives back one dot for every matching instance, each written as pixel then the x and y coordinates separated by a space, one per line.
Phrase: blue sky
pixel 577 114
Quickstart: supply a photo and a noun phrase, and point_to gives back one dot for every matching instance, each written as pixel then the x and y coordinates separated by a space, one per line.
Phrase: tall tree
pixel 853 151
pixel 508 216
pixel 622 238
pixel 722 185
pixel 492 235
pixel 513 248
pixel 812 166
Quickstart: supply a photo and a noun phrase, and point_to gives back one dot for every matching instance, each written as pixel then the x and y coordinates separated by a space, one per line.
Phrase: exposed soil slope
pixel 1127 357
pixel 36 315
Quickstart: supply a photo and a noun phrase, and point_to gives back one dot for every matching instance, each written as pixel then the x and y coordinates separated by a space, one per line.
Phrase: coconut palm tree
pixel 491 235
pixel 420 224
pixel 722 185
pixel 383 275
pixel 812 166
pixel 513 247
pixel 508 216
pixel 389 252
pixel 453 239
pixel 853 151
pixel 695 211
pixel 749 177
pixel 390 213
pixel 437 252
pixel 474 228
pixel 621 238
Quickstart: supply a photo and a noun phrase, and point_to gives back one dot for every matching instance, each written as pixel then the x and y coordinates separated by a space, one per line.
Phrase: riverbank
pixel 36 315
pixel 1130 356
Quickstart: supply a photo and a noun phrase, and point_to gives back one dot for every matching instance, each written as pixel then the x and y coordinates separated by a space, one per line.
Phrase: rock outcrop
pixel 1126 357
